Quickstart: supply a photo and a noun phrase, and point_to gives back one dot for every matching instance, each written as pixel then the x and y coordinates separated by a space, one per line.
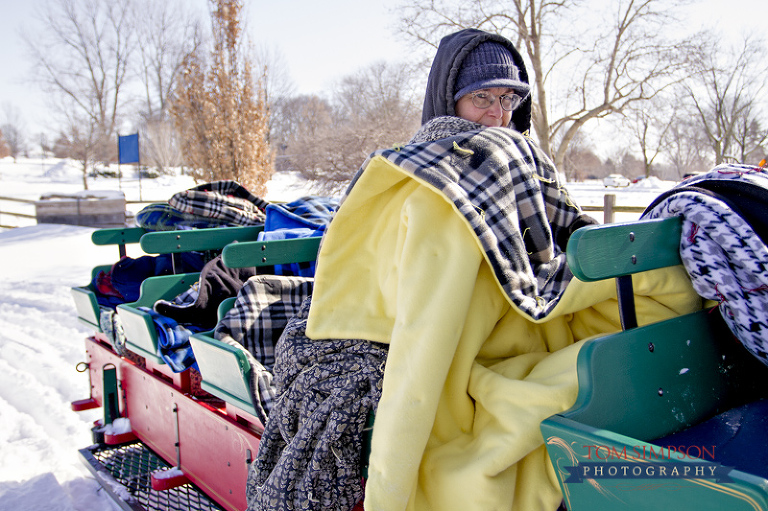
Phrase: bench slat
pixel 171 242
pixel 606 251
pixel 117 236
pixel 267 253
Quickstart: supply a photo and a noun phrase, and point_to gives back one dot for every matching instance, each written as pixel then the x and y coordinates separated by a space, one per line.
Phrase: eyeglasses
pixel 483 100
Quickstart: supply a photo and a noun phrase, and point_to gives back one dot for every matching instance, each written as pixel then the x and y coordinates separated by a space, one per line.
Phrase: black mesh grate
pixel 132 465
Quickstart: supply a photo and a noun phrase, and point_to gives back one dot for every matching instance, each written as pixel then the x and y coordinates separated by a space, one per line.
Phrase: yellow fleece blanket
pixel 469 378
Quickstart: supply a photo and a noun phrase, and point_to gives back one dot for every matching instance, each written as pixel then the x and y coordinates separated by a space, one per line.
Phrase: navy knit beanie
pixel 489 65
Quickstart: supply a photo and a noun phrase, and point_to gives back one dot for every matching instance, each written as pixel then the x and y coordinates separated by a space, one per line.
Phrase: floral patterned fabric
pixel 310 454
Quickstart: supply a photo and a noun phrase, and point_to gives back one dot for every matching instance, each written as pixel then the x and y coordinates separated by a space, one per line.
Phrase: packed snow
pixel 41 341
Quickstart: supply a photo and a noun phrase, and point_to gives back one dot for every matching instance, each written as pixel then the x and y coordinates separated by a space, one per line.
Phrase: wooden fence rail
pixel 32 204
pixel 609 209
pixel 14 213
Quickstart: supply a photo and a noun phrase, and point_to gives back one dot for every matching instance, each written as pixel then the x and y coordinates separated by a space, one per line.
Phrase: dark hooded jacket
pixel 453 49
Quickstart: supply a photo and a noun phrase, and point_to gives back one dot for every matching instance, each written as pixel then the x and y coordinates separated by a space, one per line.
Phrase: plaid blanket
pixel 304 217
pixel 163 217
pixel 255 322
pixel 225 201
pixel 512 197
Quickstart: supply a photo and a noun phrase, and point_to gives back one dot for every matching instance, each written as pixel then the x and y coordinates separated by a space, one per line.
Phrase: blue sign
pixel 128 148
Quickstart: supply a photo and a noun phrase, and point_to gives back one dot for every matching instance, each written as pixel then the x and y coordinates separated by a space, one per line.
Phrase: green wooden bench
pixel 225 370
pixel 645 383
pixel 173 242
pixel 139 328
pixel 86 304
pixel 152 242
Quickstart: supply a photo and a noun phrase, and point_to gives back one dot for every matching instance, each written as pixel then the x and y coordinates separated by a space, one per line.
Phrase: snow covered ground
pixel 41 340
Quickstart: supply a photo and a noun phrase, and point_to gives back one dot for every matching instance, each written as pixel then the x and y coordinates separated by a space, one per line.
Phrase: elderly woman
pixel 446 260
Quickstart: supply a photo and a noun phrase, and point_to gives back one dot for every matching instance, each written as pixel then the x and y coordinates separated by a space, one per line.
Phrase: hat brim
pixel 522 89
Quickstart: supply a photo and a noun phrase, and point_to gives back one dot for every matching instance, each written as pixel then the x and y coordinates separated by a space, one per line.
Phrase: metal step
pixel 124 471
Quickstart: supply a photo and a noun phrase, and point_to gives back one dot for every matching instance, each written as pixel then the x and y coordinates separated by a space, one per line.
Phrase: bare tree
pixel 14 140
pixel 687 151
pixel 278 85
pixel 13 131
pixel 581 162
pixel 221 111
pixel 651 128
pixel 80 139
pixel 622 161
pixel 725 93
pixel 4 151
pixel 373 108
pixel 594 68
pixel 295 123
pixel 82 54
pixel 168 32
pixel 160 144
pixel 749 138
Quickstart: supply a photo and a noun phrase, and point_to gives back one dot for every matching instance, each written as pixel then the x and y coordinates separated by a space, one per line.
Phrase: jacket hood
pixel 453 49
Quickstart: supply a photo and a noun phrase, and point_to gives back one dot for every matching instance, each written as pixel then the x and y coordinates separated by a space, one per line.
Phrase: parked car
pixel 616 181
pixel 689 175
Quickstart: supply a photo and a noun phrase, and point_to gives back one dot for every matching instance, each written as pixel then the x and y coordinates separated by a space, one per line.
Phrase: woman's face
pixel 493 116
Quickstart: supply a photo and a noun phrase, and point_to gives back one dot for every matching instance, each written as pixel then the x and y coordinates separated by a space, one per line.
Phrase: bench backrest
pixel 139 327
pixel 650 381
pixel 86 304
pixel 140 330
pixel 225 370
pixel 269 253
pixel 607 251
pixel 153 242
pixel 215 238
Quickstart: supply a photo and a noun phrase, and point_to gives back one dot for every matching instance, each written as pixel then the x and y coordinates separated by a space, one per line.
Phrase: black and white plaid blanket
pixel 512 196
pixel 255 322
pixel 225 201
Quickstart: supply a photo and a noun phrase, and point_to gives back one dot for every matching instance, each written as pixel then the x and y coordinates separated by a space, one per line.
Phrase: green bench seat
pixel 139 328
pixel 152 242
pixel 225 370
pixel 646 383
pixel 86 304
